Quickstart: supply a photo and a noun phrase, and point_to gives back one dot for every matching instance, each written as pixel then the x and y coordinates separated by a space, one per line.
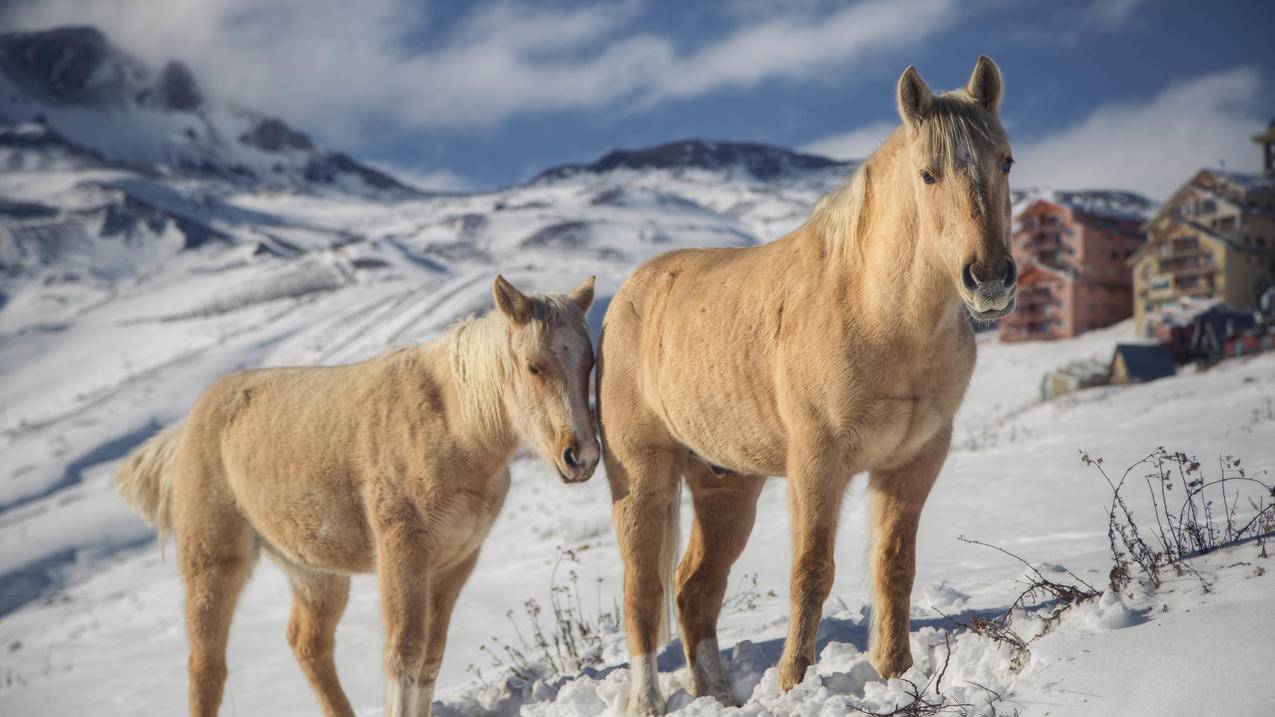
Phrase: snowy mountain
pixel 101 100
pixel 755 161
pixel 138 262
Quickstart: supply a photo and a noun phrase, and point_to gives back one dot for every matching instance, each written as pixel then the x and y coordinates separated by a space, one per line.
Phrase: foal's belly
pixel 322 527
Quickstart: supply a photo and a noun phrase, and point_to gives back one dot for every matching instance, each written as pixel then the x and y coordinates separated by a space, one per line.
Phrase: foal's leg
pixel 318 599
pixel 724 511
pixel 443 593
pixel 817 478
pixel 643 494
pixel 897 497
pixel 405 579
pixel 217 553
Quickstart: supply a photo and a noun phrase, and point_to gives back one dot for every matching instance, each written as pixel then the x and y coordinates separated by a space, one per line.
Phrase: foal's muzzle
pixel 577 462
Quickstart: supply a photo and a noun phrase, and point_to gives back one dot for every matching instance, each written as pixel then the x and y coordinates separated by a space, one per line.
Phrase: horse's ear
pixel 512 303
pixel 582 295
pixel 985 84
pixel 915 98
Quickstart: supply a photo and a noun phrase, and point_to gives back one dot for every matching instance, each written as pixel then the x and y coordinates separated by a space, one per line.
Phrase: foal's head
pixel 960 161
pixel 551 355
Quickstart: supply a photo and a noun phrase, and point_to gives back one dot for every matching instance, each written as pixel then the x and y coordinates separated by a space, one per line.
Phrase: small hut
pixel 1139 363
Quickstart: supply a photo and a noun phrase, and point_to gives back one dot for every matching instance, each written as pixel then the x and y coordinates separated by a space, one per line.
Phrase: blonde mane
pixel 478 352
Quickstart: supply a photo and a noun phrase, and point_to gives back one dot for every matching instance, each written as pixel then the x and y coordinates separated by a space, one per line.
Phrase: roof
pixel 1145 362
pixel 1239 179
pixel 1116 204
pixel 1223 320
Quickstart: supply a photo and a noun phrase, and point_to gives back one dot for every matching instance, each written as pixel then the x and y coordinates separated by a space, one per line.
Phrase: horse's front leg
pixel 897 496
pixel 817 478
pixel 405 580
pixel 444 589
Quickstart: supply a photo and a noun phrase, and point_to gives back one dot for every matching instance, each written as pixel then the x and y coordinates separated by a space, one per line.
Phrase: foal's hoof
pixel 645 703
pixel 792 672
pixel 892 663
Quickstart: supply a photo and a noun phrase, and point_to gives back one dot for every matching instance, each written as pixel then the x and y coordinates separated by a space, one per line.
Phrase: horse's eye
pixel 1009 162
pixel 929 178
pixel 534 369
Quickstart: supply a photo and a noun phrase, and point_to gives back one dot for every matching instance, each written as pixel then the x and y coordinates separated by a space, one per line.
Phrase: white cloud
pixel 857 144
pixel 338 67
pixel 1152 145
pixel 1110 14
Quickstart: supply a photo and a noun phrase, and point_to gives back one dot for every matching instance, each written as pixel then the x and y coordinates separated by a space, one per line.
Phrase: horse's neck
pixel 469 359
pixel 898 284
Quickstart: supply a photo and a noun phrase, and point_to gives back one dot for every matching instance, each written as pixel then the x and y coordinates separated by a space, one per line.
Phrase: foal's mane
pixel 956 128
pixel 478 352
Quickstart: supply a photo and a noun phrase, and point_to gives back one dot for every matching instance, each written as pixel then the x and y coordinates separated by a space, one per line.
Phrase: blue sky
pixel 1122 93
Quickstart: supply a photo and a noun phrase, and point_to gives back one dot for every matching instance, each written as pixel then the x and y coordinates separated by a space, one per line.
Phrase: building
pixel 1072 250
pixel 1074 376
pixel 1139 363
pixel 1214 239
pixel 1202 337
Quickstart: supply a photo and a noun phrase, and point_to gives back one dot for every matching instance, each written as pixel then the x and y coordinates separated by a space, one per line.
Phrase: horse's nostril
pixel 967 277
pixel 1011 272
pixel 569 457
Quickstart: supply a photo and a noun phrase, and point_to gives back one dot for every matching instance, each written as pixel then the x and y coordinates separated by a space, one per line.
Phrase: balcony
pixel 1188 264
pixel 1043 241
pixel 1178 247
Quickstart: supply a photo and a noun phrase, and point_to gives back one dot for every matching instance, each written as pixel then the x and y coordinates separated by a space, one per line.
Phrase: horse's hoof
pixel 645 703
pixel 892 664
pixel 791 673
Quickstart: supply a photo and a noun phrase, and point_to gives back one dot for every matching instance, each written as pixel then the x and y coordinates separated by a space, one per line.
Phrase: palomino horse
pixel 396 465
pixel 842 347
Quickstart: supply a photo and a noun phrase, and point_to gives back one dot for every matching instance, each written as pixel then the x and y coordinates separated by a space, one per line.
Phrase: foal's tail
pixel 670 548
pixel 145 479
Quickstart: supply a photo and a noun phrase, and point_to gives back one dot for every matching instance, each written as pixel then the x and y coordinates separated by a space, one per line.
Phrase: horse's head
pixel 551 355
pixel 960 161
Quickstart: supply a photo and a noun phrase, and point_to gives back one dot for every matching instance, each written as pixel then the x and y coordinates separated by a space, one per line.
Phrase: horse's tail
pixel 670 548
pixel 145 479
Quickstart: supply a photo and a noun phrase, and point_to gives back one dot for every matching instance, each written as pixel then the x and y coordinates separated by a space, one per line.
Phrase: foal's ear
pixel 512 303
pixel 985 84
pixel 915 98
pixel 582 295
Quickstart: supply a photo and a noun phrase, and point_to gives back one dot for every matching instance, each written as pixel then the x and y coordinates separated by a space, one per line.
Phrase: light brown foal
pixel 396 465
pixel 843 347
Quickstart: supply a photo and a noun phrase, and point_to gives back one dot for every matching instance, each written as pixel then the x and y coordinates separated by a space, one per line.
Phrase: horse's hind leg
pixel 725 508
pixel 643 499
pixel 318 599
pixel 217 554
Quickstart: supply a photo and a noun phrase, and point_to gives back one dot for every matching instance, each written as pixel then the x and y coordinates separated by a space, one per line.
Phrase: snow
pixel 94 361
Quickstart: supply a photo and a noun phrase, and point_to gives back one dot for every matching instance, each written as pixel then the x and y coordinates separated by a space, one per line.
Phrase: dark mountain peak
pixel 156 122
pixel 274 135
pixel 177 89
pixel 762 161
pixel 67 64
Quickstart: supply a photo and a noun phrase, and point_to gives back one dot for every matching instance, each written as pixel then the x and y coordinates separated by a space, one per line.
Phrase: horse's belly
pixel 319 538
pixel 741 440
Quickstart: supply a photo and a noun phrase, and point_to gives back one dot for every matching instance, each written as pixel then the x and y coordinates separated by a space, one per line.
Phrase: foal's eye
pixel 1009 162
pixel 927 177
pixel 534 369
